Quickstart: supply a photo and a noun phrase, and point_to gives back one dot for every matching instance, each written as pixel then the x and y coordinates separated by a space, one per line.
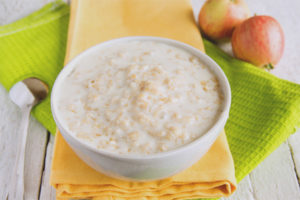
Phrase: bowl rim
pixel 211 64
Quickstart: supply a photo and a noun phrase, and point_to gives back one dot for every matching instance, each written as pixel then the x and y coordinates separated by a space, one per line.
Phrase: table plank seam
pixel 251 190
pixel 47 191
pixel 44 163
pixel 294 163
pixel 254 195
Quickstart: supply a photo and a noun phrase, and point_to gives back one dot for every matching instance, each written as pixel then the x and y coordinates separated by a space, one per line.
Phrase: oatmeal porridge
pixel 139 97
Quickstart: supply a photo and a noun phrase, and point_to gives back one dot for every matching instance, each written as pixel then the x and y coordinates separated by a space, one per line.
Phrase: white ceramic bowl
pixel 144 167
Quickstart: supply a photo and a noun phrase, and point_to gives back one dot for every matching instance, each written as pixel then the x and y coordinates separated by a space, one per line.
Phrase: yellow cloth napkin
pixel 95 21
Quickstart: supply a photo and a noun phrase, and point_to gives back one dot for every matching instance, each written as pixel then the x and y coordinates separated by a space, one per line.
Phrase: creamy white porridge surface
pixel 139 97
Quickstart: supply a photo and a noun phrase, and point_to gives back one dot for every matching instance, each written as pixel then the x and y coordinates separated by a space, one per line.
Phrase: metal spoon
pixel 25 94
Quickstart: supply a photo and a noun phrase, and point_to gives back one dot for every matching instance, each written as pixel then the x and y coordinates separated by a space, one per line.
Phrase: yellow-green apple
pixel 218 18
pixel 259 40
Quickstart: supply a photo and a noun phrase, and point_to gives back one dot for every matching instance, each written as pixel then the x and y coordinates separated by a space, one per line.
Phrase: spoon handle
pixel 17 185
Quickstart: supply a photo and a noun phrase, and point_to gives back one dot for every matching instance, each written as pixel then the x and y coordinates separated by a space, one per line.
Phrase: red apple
pixel 259 40
pixel 218 18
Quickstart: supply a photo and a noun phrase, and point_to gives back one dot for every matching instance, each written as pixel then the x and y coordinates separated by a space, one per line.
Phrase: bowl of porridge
pixel 141 108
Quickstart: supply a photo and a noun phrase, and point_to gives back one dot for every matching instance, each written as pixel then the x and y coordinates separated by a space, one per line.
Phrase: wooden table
pixel 277 177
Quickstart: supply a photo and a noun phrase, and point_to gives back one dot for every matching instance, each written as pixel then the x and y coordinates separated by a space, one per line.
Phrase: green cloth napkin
pixel 265 109
pixel 35 47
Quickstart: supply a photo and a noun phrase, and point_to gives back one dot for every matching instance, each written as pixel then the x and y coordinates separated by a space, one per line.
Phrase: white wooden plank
pixel 275 178
pixel 35 149
pixel 47 191
pixel 196 5
pixel 9 118
pixel 294 142
pixel 11 10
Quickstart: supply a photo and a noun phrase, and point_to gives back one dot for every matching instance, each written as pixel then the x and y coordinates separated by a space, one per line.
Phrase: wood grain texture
pixel 275 175
pixel 275 178
pixel 294 142
pixel 47 192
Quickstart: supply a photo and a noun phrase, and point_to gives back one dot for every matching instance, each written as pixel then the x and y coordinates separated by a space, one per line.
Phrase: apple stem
pixel 269 66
